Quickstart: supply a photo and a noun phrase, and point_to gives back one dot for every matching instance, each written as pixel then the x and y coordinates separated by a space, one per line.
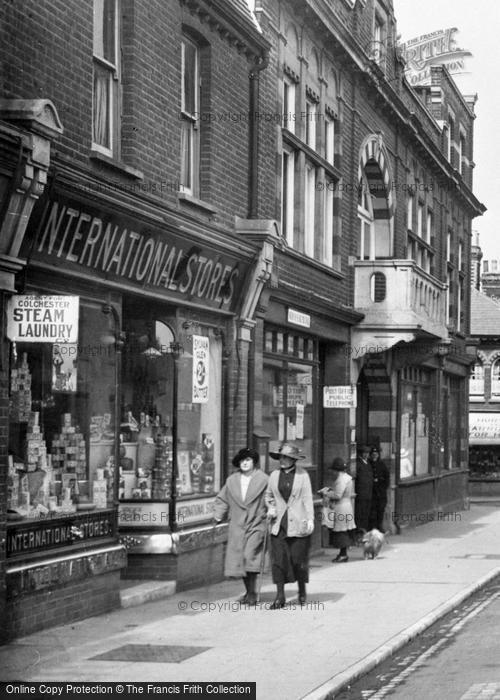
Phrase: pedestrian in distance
pixel 291 512
pixel 242 501
pixel 338 509
pixel 363 485
pixel 381 482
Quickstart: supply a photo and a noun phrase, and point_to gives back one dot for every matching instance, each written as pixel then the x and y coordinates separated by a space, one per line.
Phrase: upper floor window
pixel 451 136
pixel 309 209
pixel 106 79
pixel 366 223
pixel 495 380
pixel 289 105
pixel 410 204
pixel 329 138
pixel 287 195
pixel 379 35
pixel 311 116
pixel 190 131
pixel 461 153
pixel 476 381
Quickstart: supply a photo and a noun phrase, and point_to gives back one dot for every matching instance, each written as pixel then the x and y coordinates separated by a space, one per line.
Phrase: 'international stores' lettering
pixel 42 536
pixel 78 237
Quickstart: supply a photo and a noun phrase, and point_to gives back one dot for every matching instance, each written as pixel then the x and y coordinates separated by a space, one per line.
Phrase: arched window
pixel 375 204
pixel 476 382
pixel 366 224
pixel 378 286
pixel 495 380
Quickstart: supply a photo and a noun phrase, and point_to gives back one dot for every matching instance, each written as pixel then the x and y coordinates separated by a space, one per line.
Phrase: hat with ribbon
pixel 287 450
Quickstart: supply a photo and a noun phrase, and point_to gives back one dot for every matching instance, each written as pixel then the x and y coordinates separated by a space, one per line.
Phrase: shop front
pixel 118 430
pixel 300 352
pixel 484 453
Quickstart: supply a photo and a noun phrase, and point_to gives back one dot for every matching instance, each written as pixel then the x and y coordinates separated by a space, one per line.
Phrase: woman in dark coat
pixel 291 512
pixel 381 482
pixel 364 490
pixel 241 499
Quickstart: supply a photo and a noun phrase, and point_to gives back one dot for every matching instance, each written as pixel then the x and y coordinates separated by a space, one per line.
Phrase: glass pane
pixel 407 465
pixel 61 435
pixel 186 153
pixel 104 30
pixel 189 77
pixel 102 106
pixel 199 417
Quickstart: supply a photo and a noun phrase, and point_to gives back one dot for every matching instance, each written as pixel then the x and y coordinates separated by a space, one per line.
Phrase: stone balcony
pixel 399 301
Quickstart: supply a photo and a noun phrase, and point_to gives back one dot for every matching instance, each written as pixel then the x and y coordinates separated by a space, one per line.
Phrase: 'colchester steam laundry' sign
pixel 42 319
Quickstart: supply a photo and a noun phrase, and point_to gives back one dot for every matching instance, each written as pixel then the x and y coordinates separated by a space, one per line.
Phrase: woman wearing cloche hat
pixel 241 499
pixel 291 512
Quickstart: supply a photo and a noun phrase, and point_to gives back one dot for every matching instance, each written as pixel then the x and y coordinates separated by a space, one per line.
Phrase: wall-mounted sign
pixel 201 351
pixel 130 252
pixel 42 319
pixel 484 428
pixel 339 396
pixel 438 48
pixel 299 318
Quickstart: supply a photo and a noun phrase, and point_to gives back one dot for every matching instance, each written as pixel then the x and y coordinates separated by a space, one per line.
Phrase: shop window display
pixel 169 390
pixel 61 420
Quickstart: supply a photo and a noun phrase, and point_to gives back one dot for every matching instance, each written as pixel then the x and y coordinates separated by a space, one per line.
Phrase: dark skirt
pixel 345 538
pixel 289 558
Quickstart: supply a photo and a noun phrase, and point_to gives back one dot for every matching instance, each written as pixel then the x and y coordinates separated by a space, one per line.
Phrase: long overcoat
pixel 338 511
pixel 247 522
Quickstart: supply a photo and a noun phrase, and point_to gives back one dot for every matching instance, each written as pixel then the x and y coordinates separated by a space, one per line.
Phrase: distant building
pixel 476 255
pixel 484 394
pixel 490 278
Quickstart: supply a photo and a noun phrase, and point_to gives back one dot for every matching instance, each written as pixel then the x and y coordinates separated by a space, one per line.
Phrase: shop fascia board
pixel 70 182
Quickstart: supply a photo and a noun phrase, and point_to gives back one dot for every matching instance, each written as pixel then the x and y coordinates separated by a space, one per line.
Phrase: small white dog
pixel 372 543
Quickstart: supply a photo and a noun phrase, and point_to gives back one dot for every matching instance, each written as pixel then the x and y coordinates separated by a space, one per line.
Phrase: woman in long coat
pixel 241 500
pixel 338 510
pixel 291 512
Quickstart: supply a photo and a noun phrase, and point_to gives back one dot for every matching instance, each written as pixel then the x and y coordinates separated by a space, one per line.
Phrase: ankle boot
pixel 279 601
pixel 252 586
pixel 302 591
pixel 244 597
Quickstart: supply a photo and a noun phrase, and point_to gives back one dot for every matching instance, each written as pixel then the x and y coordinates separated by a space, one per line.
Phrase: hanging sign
pixel 339 396
pixel 201 347
pixel 42 319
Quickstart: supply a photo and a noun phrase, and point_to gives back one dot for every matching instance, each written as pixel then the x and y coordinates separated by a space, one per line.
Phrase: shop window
pixel 169 390
pixel 416 418
pixel 61 425
pixel 454 428
pixel 495 381
pixel 288 394
pixel 106 69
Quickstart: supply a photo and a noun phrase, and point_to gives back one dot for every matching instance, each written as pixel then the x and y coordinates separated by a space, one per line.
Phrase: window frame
pixel 190 124
pixel 113 69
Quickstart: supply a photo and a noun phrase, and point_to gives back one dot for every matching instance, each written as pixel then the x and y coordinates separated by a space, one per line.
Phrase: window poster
pixel 64 368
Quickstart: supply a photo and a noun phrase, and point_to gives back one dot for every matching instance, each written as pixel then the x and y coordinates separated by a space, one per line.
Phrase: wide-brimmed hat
pixel 339 465
pixel 243 454
pixel 364 448
pixel 287 450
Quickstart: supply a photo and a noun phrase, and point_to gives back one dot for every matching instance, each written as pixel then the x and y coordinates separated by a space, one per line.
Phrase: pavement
pixel 358 614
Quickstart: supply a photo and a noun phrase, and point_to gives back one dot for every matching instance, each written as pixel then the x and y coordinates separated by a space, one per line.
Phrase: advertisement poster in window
pixel 201 353
pixel 64 367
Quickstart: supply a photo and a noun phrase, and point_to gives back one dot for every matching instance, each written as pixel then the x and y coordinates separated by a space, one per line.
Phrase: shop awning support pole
pixel 176 350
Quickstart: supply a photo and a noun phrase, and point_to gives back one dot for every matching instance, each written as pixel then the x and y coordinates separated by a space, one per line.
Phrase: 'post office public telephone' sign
pixel 42 319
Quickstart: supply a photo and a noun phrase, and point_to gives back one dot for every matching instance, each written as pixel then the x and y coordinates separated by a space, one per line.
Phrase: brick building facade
pixel 257 222
pixel 374 195
pixel 140 172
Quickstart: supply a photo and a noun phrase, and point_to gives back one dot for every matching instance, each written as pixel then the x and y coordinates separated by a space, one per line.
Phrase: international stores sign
pixel 42 319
